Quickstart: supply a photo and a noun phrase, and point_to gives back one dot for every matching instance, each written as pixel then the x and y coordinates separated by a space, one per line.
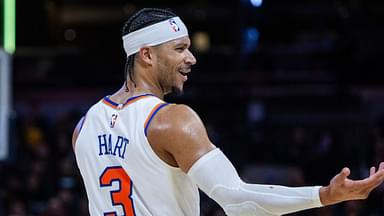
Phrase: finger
pixel 342 176
pixel 372 171
pixel 372 181
pixel 375 185
pixel 381 166
pixel 378 183
pixel 345 172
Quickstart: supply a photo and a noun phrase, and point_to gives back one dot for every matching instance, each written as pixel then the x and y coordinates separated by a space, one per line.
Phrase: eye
pixel 179 49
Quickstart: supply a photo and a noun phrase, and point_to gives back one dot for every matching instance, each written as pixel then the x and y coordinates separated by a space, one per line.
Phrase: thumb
pixel 344 173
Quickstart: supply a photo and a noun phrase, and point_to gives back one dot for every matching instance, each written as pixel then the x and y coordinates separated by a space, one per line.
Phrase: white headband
pixel 155 34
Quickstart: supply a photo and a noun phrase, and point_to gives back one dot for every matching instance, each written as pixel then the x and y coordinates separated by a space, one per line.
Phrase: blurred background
pixel 291 91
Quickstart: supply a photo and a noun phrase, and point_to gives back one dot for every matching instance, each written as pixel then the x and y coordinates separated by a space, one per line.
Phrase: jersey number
pixel 121 196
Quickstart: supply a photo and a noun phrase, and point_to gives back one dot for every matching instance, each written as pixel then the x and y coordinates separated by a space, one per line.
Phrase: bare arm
pixel 178 131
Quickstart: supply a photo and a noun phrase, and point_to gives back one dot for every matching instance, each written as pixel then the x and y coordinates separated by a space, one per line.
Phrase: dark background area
pixel 291 91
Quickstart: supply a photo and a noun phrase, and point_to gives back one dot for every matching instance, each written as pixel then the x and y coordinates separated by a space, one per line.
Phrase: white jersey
pixel 121 172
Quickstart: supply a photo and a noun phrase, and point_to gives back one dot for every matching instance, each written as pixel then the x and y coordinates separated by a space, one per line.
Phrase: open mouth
pixel 182 73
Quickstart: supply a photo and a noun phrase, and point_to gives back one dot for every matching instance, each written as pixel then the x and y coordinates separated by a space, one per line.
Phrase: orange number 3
pixel 121 196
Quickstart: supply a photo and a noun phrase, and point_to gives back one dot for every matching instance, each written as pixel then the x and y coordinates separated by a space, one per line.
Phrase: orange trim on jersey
pixel 151 113
pixel 114 105
pixel 136 99
pixel 109 104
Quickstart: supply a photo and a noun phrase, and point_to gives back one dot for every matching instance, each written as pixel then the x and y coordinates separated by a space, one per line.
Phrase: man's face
pixel 174 61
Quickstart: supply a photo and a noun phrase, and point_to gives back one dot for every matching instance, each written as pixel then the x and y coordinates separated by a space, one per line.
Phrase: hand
pixel 341 188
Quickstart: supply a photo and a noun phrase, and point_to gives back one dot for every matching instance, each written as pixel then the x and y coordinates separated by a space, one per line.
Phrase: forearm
pixel 282 200
pixel 217 177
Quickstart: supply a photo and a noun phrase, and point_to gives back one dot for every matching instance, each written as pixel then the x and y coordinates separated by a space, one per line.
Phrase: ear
pixel 146 55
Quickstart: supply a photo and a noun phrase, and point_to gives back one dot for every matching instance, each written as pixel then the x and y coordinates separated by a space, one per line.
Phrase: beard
pixel 168 81
pixel 171 89
pixel 177 91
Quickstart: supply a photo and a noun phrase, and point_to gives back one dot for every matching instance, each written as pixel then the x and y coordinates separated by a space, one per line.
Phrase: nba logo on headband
pixel 174 25
pixel 155 34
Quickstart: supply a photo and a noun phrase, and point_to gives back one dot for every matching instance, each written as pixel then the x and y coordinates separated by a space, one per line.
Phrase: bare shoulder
pixel 179 120
pixel 178 130
pixel 176 114
pixel 77 131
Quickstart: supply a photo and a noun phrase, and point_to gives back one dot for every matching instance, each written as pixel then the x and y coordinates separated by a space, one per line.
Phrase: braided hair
pixel 142 18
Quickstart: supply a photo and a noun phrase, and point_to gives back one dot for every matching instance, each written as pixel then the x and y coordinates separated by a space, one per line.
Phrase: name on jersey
pixel 112 145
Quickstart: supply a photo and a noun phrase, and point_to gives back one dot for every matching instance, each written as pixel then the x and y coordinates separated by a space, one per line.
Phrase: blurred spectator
pixel 17 208
pixel 55 208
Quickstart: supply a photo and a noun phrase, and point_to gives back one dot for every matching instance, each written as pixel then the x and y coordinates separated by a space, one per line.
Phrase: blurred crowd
pixel 41 178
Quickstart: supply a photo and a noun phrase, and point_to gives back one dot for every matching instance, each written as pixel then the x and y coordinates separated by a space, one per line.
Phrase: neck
pixel 146 81
pixel 142 88
pixel 123 95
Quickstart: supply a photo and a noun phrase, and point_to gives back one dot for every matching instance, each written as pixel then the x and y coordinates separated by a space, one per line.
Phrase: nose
pixel 190 58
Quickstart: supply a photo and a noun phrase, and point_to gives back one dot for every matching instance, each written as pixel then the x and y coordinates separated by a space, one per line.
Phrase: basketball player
pixel 139 155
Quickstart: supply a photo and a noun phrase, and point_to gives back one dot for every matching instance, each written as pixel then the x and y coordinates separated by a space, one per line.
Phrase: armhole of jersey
pixel 152 114
pixel 82 122
pixel 77 131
